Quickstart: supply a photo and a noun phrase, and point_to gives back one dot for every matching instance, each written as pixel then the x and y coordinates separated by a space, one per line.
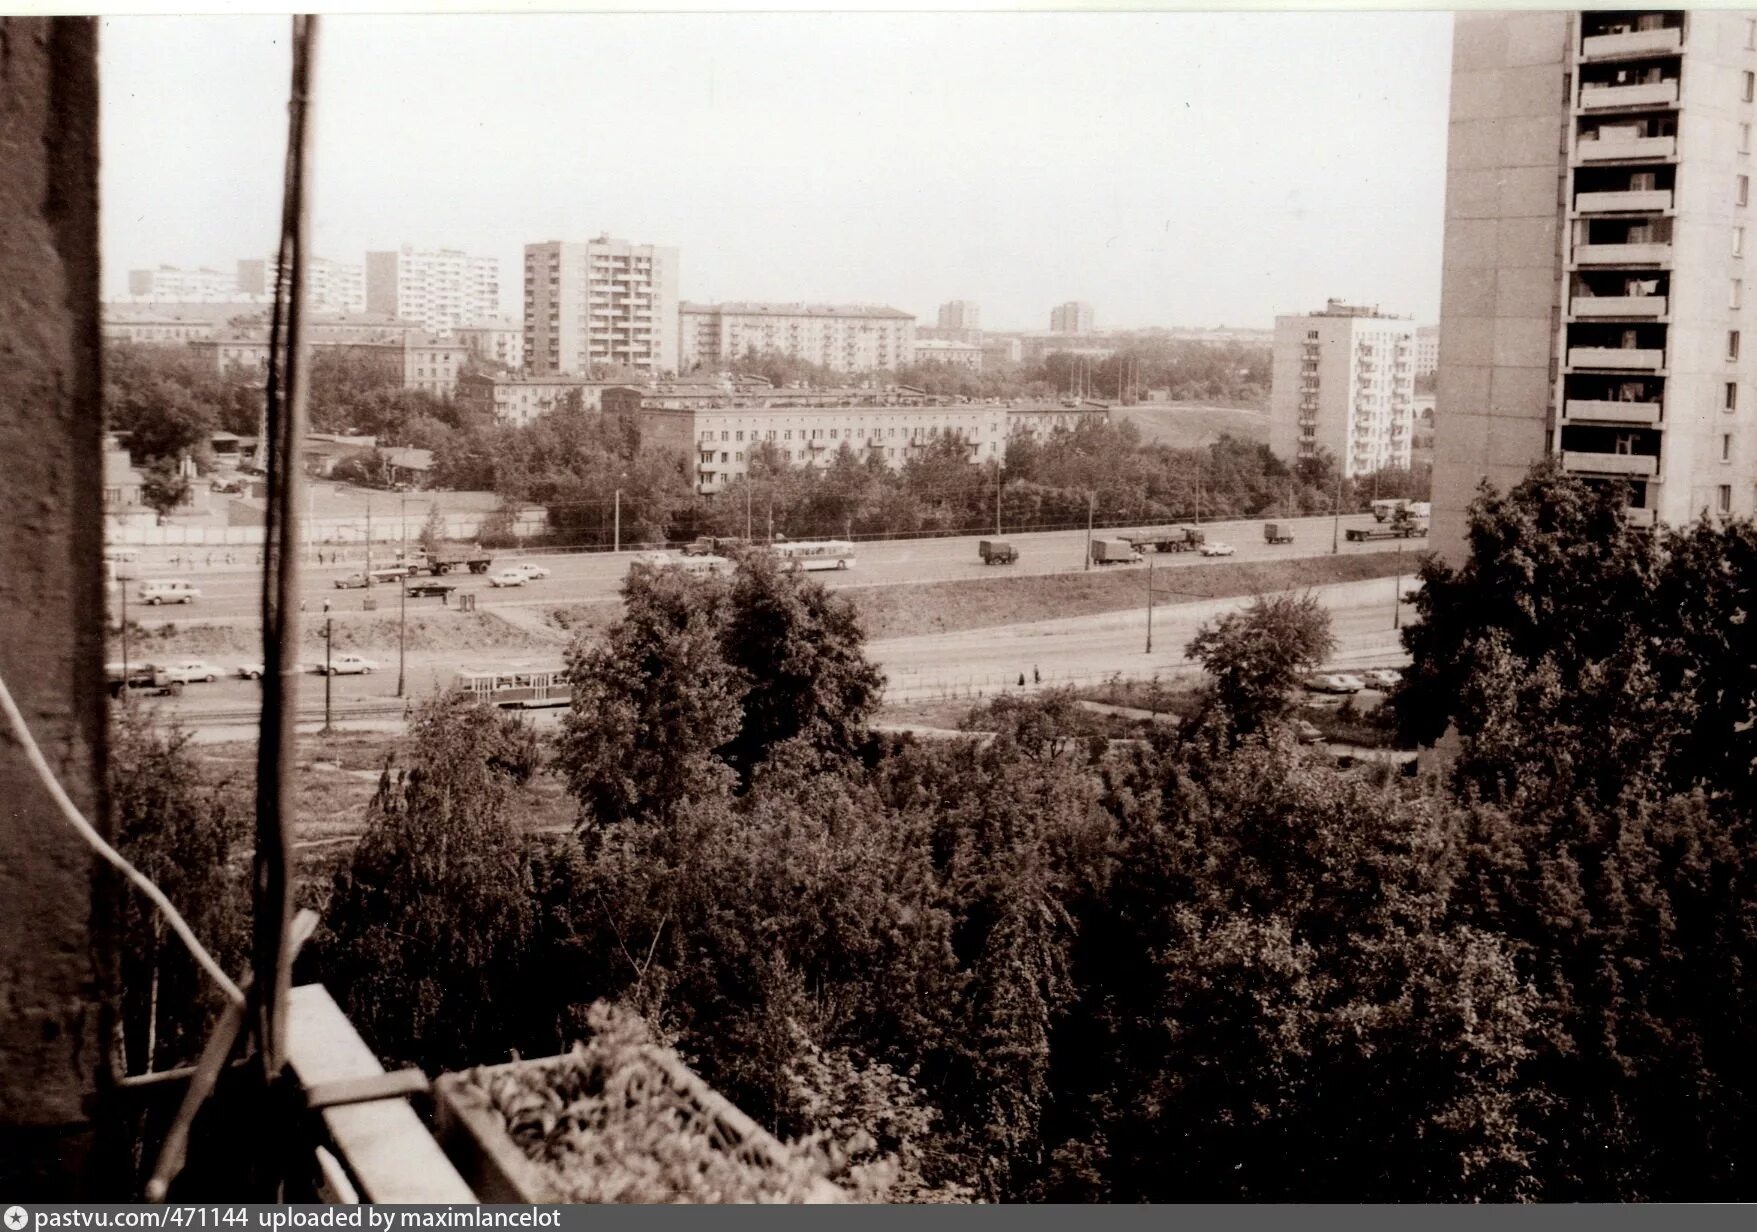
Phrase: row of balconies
pixel 1643 94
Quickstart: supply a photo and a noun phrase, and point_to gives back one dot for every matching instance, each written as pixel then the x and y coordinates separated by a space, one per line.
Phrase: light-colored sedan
pixel 1334 682
pixel 507 577
pixel 1218 549
pixel 533 572
pixel 253 671
pixel 348 665
pixel 187 671
pixel 1383 678
pixel 657 560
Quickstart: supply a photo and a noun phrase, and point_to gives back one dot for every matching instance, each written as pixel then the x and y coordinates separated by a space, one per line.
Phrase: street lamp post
pixel 616 534
pixel 1336 525
pixel 328 675
pixel 403 597
pixel 1397 591
pixel 369 543
pixel 997 500
pixel 1091 502
pixel 1150 603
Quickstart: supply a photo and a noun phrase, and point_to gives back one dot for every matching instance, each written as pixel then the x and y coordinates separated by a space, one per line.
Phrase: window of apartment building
pixel 1724 498
pixel 1750 86
pixel 1311 335
pixel 1736 294
pixel 1738 241
pixel 1732 344
pixel 725 436
pixel 1742 190
pixel 1726 446
pixel 1732 396
pixel 739 456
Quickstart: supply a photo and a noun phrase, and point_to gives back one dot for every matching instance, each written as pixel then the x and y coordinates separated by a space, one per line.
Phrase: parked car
pixel 168 590
pixel 1218 549
pixel 1334 682
pixel 1383 678
pixel 532 571
pixel 429 590
pixel 657 560
pixel 1307 733
pixel 253 671
pixel 348 665
pixel 187 671
pixel 507 577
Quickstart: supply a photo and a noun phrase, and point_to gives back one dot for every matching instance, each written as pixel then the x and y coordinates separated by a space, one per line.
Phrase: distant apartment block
pixel 332 286
pixel 520 399
pixel 847 338
pixel 168 283
pixel 500 340
pixel 957 354
pixel 1597 226
pixel 404 352
pixel 1073 317
pixel 602 302
pixel 719 440
pixel 1427 350
pixel 960 314
pixel 171 323
pixel 997 351
pixel 1343 380
pixel 441 288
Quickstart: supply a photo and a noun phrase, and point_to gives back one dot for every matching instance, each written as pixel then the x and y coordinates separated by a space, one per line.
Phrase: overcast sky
pixel 1172 169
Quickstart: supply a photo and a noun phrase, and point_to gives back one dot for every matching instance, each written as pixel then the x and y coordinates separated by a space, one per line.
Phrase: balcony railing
pixel 1625 149
pixel 1621 358
pixel 1595 410
pixel 1632 43
pixel 1617 305
pixel 1640 465
pixel 1650 94
pixel 1607 202
pixel 1622 254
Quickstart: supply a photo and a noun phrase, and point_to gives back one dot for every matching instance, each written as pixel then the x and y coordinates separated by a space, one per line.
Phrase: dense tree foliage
pixel 1256 656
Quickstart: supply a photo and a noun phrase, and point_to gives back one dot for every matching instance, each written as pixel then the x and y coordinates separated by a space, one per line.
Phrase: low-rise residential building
pixel 431 364
pixel 499 340
pixel 841 337
pixel 415 359
pixel 997 351
pixel 165 324
pixel 957 354
pixel 721 441
pixel 520 398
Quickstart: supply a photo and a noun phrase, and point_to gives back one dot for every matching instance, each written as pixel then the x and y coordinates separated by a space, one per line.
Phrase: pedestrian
pixel 301 605
pixel 1021 680
pixel 1036 677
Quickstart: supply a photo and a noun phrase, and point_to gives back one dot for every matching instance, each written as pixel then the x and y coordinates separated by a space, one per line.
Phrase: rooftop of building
pixel 1338 308
pixel 748 308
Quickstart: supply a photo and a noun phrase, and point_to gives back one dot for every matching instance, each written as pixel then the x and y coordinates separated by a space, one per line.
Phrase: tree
pixel 164 486
pixel 1256 657
pixel 427 929
pixel 801 651
pixel 433 531
pixel 653 703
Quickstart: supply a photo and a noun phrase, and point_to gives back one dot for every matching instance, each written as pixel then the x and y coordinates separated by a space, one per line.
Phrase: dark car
pixel 430 590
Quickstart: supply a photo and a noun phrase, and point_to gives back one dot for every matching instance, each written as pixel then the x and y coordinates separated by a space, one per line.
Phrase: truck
pixel 1114 552
pixel 710 545
pixel 453 556
pixel 1401 525
pixel 1170 539
pixel 1275 532
pixel 997 552
pixel 1385 510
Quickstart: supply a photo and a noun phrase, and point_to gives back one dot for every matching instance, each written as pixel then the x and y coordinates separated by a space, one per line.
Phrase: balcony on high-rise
pixel 1658 40
pixel 1610 411
pixel 1635 93
pixel 1636 465
pixel 1622 241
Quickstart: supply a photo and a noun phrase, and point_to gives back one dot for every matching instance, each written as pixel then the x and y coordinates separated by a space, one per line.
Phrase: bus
pixel 814 554
pixel 518 686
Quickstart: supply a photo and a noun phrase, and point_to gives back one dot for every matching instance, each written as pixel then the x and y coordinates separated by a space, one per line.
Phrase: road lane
pixel 235 596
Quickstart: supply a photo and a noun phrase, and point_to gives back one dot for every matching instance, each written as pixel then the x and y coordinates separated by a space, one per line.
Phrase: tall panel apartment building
pixel 1597 215
pixel 169 284
pixel 1343 380
pixel 604 301
pixel 1073 317
pixel 960 314
pixel 333 286
pixel 442 288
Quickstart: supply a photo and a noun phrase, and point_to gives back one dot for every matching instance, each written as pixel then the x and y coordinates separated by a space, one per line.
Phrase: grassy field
pixel 948 607
pixel 1190 426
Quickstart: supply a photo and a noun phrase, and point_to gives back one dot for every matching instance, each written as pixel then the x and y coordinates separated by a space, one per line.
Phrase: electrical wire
pixel 114 858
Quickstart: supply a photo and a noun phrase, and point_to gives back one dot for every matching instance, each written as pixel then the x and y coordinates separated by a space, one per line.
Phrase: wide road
pixel 232 595
pixel 1077 650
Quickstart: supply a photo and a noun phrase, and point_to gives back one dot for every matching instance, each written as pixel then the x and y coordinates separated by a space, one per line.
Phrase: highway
pixel 232 595
pixel 1078 650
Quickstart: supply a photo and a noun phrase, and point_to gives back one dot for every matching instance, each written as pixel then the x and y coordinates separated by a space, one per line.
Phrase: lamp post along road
pixel 616 533
pixel 1091 501
pixel 1336 525
pixel 403 597
pixel 1150 603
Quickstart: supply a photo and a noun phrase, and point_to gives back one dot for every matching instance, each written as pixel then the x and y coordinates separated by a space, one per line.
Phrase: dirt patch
pixel 949 607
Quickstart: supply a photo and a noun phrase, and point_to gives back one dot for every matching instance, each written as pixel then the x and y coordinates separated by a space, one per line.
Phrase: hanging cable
pixel 114 858
pixel 271 959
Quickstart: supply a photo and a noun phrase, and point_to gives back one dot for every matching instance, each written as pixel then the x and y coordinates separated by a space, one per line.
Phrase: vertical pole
pixel 369 541
pixel 1397 591
pixel 997 500
pixel 616 542
pixel 1150 602
pixel 403 600
pixel 747 508
pixel 1091 501
pixel 771 517
pixel 328 675
pixel 1336 524
pixel 123 583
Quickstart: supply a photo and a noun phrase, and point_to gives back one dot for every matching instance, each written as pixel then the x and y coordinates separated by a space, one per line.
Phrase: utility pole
pixel 1091 502
pixel 747 508
pixel 403 599
pixel 1336 526
pixel 616 542
pixel 1150 556
pixel 771 517
pixel 997 500
pixel 122 585
pixel 369 543
pixel 328 675
pixel 1397 591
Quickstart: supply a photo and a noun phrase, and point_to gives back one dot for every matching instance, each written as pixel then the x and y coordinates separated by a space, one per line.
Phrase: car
pixel 534 572
pixel 656 560
pixel 168 590
pixel 187 671
pixel 351 581
pixel 253 671
pixel 1383 678
pixel 1306 732
pixel 705 564
pixel 507 577
pixel 1218 549
pixel 348 665
pixel 430 590
pixel 1334 682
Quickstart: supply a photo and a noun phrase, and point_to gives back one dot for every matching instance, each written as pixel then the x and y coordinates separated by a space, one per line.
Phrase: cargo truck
pixel 453 557
pixel 1114 552
pixel 997 552
pixel 1401 525
pixel 1179 539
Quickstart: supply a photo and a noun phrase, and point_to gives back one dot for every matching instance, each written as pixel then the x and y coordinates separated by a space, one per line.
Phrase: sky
pixel 1182 169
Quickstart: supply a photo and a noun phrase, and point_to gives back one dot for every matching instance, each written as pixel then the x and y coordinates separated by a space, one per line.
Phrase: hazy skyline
pixel 1171 169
